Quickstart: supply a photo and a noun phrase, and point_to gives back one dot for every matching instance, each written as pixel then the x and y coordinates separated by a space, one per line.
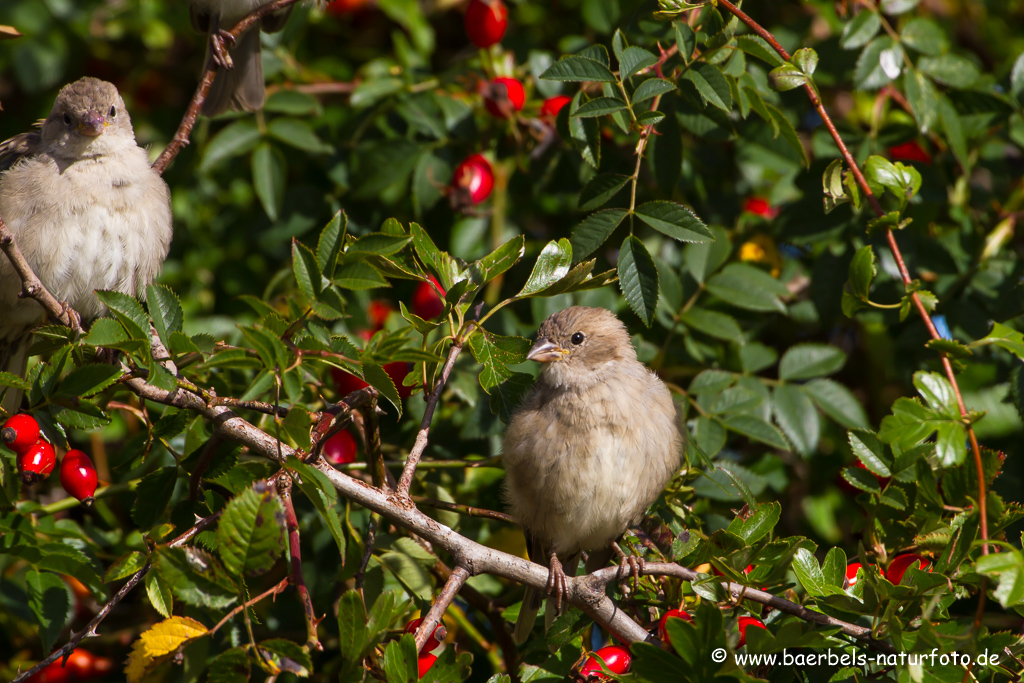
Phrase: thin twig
pixel 258 406
pixel 466 510
pixel 897 255
pixel 440 606
pixel 273 590
pixel 284 492
pixel 32 287
pixel 421 437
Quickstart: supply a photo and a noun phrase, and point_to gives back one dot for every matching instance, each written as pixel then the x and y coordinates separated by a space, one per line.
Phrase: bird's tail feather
pixel 13 359
pixel 241 87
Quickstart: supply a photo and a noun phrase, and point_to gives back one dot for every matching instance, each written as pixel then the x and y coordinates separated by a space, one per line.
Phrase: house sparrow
pixel 593 444
pixel 238 85
pixel 85 208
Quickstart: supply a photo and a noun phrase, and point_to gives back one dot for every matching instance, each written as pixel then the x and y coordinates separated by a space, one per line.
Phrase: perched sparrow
pixel 238 84
pixel 593 444
pixel 85 208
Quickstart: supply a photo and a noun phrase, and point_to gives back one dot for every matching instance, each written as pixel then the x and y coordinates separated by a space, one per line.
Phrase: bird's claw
pixel 557 587
pixel 74 318
pixel 220 42
pixel 637 566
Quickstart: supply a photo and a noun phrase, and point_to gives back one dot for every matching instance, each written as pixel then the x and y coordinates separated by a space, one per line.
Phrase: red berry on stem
pixel 397 372
pixel 899 566
pixel 343 7
pixel 340 448
pixel 20 432
pixel 472 181
pixel 553 105
pixel 377 313
pixel 851 574
pixel 910 151
pixel 425 662
pixel 37 462
pixel 78 476
pixel 85 666
pixel 761 207
pixel 486 21
pixel 433 640
pixel 616 658
pixel 503 96
pixel 746 622
pixel 671 614
pixel 51 673
pixel 425 301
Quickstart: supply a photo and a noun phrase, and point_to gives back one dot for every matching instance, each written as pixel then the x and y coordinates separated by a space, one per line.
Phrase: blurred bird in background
pixel 238 85
pixel 86 211
pixel 593 444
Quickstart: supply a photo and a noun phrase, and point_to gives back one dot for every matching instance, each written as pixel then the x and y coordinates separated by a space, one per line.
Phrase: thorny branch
pixel 851 163
pixel 432 618
pixel 284 492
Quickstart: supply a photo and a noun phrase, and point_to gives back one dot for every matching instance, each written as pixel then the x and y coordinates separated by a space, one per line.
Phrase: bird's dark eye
pixel 113 112
pixel 67 119
pixel 577 338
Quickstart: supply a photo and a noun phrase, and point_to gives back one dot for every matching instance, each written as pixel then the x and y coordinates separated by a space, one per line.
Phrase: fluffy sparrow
pixel 238 85
pixel 593 444
pixel 85 208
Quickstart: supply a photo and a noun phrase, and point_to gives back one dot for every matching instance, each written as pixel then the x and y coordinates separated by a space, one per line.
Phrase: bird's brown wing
pixel 18 147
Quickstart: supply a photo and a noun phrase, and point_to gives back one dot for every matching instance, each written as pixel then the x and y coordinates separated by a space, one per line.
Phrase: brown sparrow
pixel 593 444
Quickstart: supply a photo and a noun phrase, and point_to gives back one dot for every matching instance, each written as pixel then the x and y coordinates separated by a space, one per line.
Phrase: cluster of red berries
pixel 743 623
pixel 36 458
pixel 894 574
pixel 82 665
pixel 486 22
pixel 426 658
pixel 426 303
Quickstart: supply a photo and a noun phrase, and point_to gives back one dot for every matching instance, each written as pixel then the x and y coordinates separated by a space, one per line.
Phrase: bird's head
pixel 88 119
pixel 577 343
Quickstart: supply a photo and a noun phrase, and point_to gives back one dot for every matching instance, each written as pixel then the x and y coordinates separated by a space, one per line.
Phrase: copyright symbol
pixel 718 655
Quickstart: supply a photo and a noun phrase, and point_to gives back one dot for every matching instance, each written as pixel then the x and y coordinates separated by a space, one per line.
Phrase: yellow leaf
pixel 8 32
pixel 159 642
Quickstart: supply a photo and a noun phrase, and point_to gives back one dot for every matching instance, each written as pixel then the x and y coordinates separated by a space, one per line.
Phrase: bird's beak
pixel 545 351
pixel 92 124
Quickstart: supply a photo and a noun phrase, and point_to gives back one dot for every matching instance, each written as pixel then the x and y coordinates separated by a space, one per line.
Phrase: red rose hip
pixel 472 181
pixel 671 614
pixel 900 564
pixel 37 462
pixel 553 105
pixel 20 432
pixel 744 623
pixel 433 640
pixel 503 97
pixel 486 22
pixel 340 448
pixel 425 662
pixel 425 300
pixel 78 476
pixel 616 658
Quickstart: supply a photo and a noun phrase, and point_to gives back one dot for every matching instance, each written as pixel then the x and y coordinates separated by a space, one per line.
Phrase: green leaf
pixel 796 415
pixel 306 271
pixel 862 272
pixel 805 361
pixel 674 220
pixel 860 30
pixel 378 244
pixel 321 493
pixel 713 324
pixel 861 479
pixel 870 451
pixel 925 36
pixel 358 275
pixel 877 63
pixel 231 666
pixel 153 494
pixel 159 593
pixel 578 69
pixel 599 107
pixel 233 140
pixel 755 46
pixel 332 237
pixel 651 88
pixel 808 572
pixel 686 40
pixel 165 310
pixel 711 85
pixel 268 178
pixel 836 401
pixel 638 278
pixel 495 353
pixel 634 60
pixel 287 656
pixel 125 567
pixel 950 69
pixel 195 577
pixel 128 312
pixel 501 259
pixel 50 601
pixel 599 190
pixel 756 429
pixel 787 77
pixel 759 524
pixel 88 380
pixel 551 266
pixel 250 533
pixel 951 124
pixel 298 134
pixel 592 231
pixel 379 379
pixel 746 287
